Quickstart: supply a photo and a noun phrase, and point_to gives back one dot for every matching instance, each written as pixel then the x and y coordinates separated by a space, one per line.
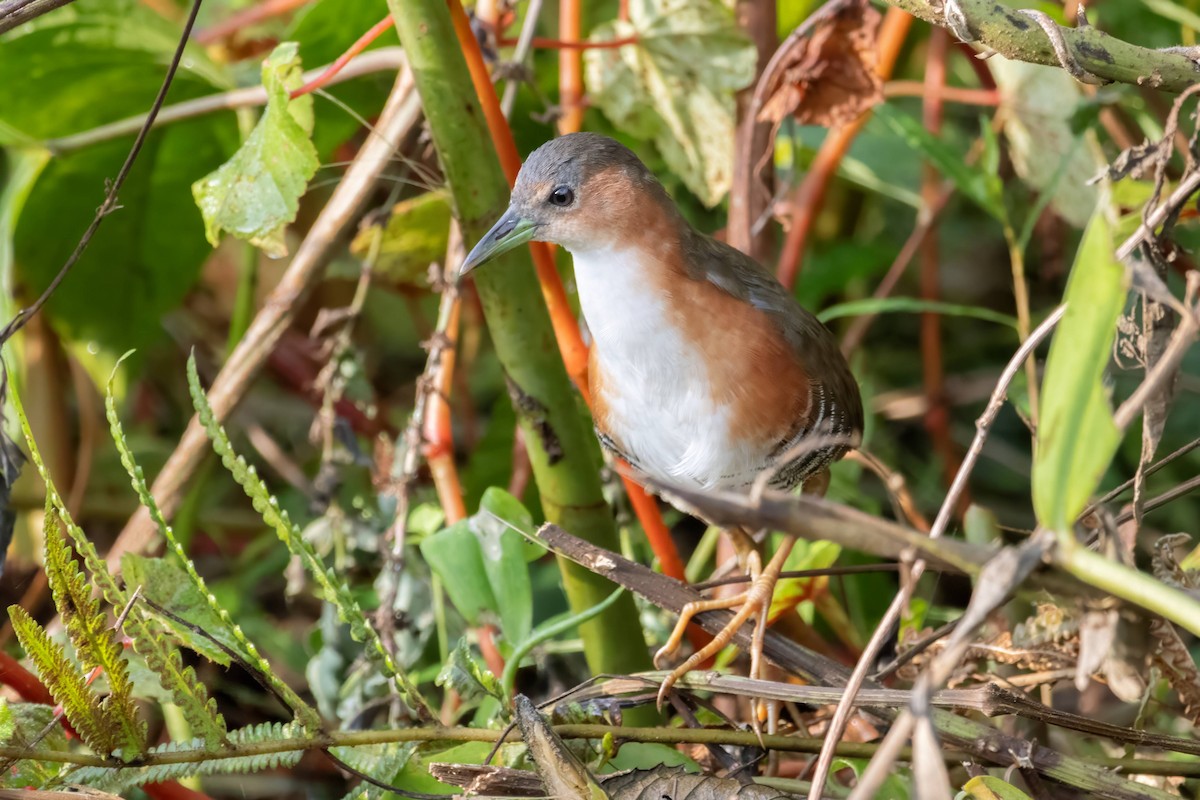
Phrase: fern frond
pixel 381 761
pixel 189 694
pixel 113 594
pixel 219 763
pixel 95 641
pixel 304 713
pixel 186 690
pixel 329 586
pixel 67 686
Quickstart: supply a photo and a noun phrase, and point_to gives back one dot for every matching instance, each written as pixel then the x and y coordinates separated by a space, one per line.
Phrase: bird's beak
pixel 511 230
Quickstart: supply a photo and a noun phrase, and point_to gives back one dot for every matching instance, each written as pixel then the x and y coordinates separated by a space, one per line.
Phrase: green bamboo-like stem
pixel 563 453
pixel 1001 27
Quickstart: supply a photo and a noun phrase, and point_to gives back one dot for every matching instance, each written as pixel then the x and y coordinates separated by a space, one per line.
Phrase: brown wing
pixel 833 410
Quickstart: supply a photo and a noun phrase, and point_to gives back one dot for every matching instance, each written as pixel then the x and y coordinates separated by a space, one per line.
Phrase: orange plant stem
pixel 363 43
pixel 439 440
pixel 571 44
pixel 810 194
pixel 566 330
pixel 570 68
pixel 937 418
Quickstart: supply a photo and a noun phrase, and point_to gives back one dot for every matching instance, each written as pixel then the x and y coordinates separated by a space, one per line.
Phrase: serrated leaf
pixel 186 690
pixel 8 725
pixel 1076 437
pixel 381 761
pixel 101 577
pixel 65 683
pixel 194 602
pixel 256 194
pixel 676 84
pixel 94 639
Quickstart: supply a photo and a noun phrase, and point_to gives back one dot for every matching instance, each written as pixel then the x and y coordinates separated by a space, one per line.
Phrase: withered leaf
pixel 829 77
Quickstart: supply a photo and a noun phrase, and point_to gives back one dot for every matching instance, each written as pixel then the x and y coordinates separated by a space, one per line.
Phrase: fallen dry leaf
pixel 829 77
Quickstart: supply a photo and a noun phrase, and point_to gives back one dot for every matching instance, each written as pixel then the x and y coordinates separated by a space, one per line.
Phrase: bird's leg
pixel 754 603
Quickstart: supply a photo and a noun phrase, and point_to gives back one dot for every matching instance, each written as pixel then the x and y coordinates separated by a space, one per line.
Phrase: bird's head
pixel 582 191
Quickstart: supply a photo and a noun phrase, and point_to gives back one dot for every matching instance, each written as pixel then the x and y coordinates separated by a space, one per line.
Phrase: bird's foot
pixel 755 603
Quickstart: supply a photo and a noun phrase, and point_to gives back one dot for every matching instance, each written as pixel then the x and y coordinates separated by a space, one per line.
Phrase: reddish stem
pixel 172 791
pixel 810 194
pixel 571 44
pixel 23 682
pixel 937 418
pixel 947 94
pixel 244 19
pixel 333 69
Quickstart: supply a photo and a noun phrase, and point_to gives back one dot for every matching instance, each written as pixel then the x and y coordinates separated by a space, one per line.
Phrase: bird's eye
pixel 562 196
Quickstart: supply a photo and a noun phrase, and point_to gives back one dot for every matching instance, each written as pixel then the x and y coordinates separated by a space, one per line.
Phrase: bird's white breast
pixel 654 381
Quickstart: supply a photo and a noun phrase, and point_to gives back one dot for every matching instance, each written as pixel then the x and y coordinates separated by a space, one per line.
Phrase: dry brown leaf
pixel 828 78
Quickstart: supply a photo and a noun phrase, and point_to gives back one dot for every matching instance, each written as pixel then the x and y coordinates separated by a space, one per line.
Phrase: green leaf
pixel 188 693
pixel 1037 104
pixel 65 683
pixel 976 183
pixel 913 305
pixel 95 641
pixel 325 29
pixel 8 725
pixel 455 556
pixel 256 194
pixel 22 168
pixel 166 585
pixel 32 722
pixel 148 253
pixel 985 787
pixel 482 563
pixel 676 85
pixel 467 675
pixel 414 236
pixel 1076 436
pixel 380 761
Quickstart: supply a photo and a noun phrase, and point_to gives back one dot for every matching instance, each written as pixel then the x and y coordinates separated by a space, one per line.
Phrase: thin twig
pixel 520 53
pixel 110 198
pixel 385 59
pixel 1150 470
pixel 330 73
pixel 17 12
